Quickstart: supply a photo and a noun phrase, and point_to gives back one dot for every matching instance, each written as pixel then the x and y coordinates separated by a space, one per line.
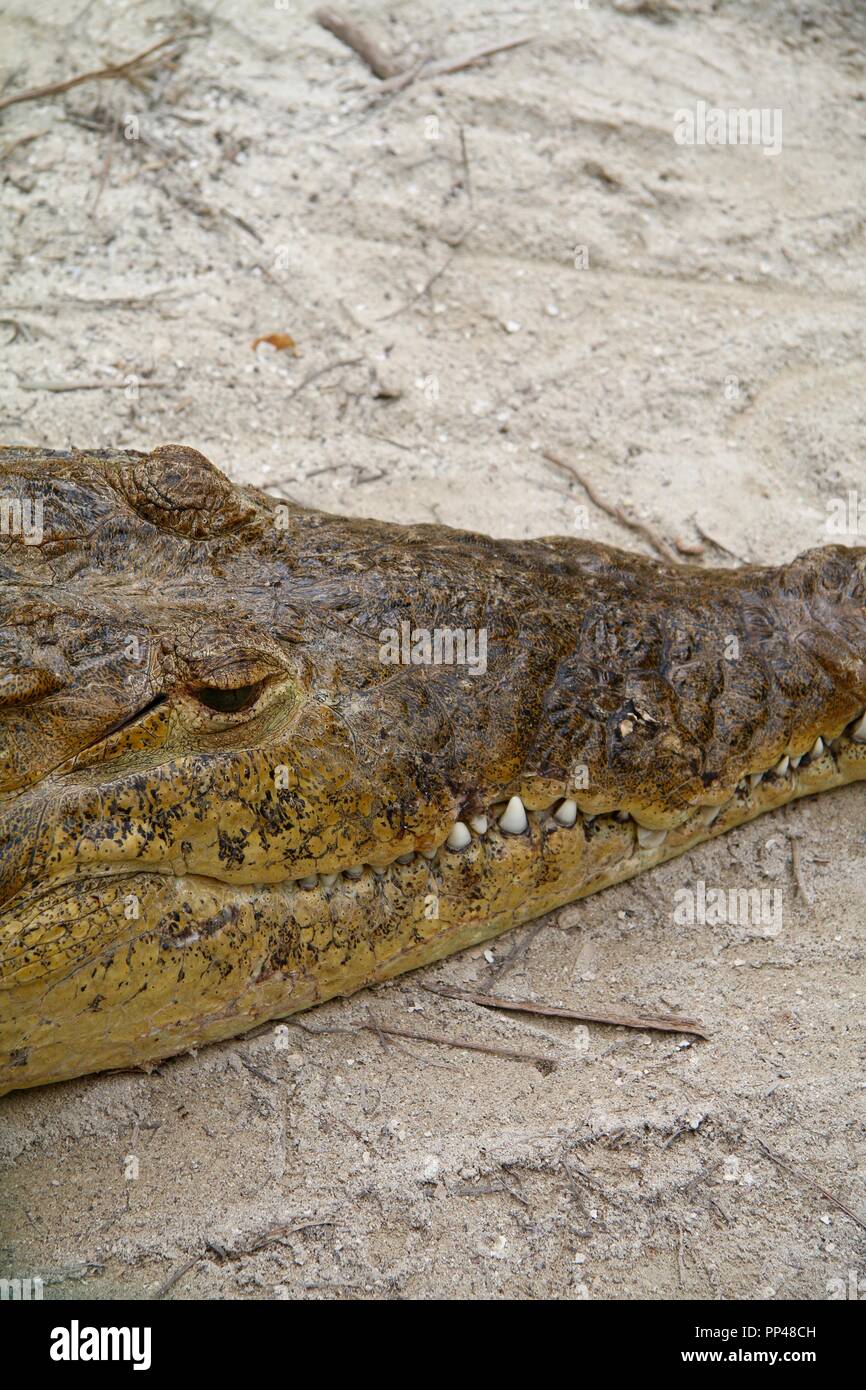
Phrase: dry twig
pixel 22 140
pixel 806 1178
pixel 330 367
pixel 666 1023
pixel 464 159
pixel 642 528
pixel 173 1278
pixel 354 37
pixel 523 941
pixel 392 73
pixel 60 386
pixel 428 285
pixel 469 60
pixel 113 70
pixel 511 1053
pixel 711 540
pixel 797 865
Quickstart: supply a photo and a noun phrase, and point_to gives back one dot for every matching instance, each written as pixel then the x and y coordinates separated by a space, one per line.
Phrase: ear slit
pixel 132 718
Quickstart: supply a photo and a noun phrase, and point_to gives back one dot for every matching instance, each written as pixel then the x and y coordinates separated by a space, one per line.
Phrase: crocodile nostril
pixel 229 701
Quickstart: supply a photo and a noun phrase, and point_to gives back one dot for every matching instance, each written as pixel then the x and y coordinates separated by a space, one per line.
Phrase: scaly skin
pixel 152 846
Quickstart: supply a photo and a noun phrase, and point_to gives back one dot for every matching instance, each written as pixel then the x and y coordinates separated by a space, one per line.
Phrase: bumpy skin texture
pixel 151 844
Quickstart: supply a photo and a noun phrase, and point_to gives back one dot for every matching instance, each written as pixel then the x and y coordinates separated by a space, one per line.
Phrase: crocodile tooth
pixel 479 824
pixel 858 730
pixel 355 872
pixel 795 762
pixel 817 748
pixel 710 813
pixel 566 812
pixel 621 815
pixel 328 880
pixel 513 820
pixel 755 778
pixel 311 881
pixel 650 839
pixel 406 858
pixel 459 837
pixel 430 853
pixel 782 766
pixel 380 873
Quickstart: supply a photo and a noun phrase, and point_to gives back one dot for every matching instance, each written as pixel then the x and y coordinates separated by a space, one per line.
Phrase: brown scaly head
pixel 236 778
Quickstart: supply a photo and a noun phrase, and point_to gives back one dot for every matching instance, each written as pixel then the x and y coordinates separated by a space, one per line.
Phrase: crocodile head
pixel 253 756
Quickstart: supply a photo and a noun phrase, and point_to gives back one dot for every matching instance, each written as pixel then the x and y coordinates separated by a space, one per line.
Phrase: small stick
pixel 331 367
pixel 22 140
pixel 353 36
pixel 403 79
pixel 58 386
pixel 517 952
pixel 93 302
pixel 681 1264
pixel 263 1238
pixel 389 69
pixel 256 1071
pixel 464 154
pixel 489 1048
pixel 650 535
pixel 797 866
pixel 113 70
pixel 106 168
pixel 666 1023
pixel 383 1041
pixel 805 1177
pixel 428 284
pixel 384 438
pixel 470 59
pixel 173 1278
pixel 489 1190
pixel 711 540
pixel 492 1051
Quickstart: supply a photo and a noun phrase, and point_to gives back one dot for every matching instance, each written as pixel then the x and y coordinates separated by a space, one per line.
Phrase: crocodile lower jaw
pixel 103 961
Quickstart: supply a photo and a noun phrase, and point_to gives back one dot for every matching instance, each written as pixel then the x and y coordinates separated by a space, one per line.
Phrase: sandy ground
pixel 480 266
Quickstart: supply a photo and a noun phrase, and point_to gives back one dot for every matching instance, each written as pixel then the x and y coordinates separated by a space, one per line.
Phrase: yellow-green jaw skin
pixel 219 803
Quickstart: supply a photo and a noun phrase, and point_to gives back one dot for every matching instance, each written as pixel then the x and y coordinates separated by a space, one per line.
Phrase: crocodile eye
pixel 229 701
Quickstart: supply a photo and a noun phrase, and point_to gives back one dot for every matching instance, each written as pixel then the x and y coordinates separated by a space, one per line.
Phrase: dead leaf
pixel 278 341
pixel 686 547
